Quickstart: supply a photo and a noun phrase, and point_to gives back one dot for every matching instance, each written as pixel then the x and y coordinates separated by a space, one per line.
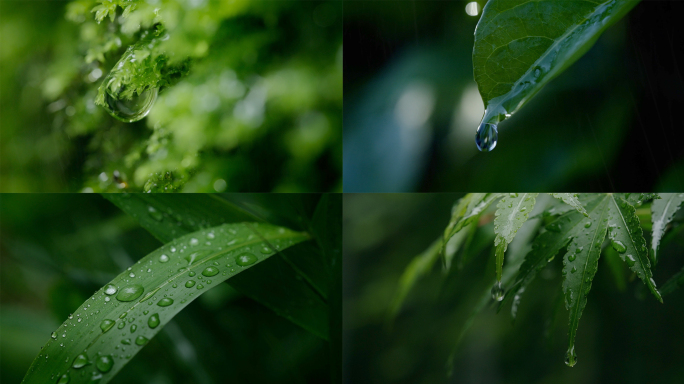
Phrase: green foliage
pixel 662 213
pixel 520 46
pixel 250 96
pixel 580 230
pixel 90 344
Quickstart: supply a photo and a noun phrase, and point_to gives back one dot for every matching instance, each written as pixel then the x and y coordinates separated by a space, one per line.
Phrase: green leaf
pixel 571 200
pixel 511 214
pixel 521 45
pixel 673 283
pixel 545 247
pixel 662 213
pixel 108 329
pixel 627 238
pixel 580 265
pixel 170 216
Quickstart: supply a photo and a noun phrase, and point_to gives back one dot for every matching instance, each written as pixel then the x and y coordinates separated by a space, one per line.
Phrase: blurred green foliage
pixel 250 96
pixel 626 336
pixel 56 250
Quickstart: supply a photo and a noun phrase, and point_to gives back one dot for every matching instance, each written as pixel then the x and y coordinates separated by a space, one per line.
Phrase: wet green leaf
pixel 662 213
pixel 571 200
pixel 108 329
pixel 512 212
pixel 521 45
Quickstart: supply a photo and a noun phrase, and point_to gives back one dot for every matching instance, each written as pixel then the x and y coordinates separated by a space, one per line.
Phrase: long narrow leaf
pixel 511 214
pixel 109 328
pixel 662 213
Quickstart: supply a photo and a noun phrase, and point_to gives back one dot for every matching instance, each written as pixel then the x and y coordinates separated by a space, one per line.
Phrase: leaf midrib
pixel 631 239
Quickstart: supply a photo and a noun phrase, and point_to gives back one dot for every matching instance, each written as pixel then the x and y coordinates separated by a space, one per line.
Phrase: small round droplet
pixel 587 224
pixel 629 259
pixel 141 340
pixel 189 283
pixel 265 250
pixel 618 246
pixel 573 270
pixel 572 257
pixel 553 227
pixel 133 328
pixel 194 241
pixel 200 286
pixel 486 137
pixel 130 292
pixel 497 291
pixel 165 302
pixel 163 259
pixel 80 361
pixel 64 379
pixel 126 341
pixel 106 325
pixel 104 364
pixel 153 321
pixel 210 235
pixel 245 259
pixel 191 273
pixel 210 271
pixel 110 289
pixel 54 335
pixel 121 325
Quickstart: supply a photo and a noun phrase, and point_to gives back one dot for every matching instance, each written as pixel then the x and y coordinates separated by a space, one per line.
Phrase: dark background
pixel 611 122
pixel 624 335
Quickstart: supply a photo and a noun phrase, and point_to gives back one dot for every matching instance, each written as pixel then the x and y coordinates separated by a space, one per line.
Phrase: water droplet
pixel 486 137
pixel 211 271
pixel 629 259
pixel 210 235
pixel 189 283
pixel 131 274
pixel 130 292
pixel 513 194
pixel 245 259
pixel 618 246
pixel 191 274
pixel 126 341
pixel 265 250
pixel 579 249
pixel 155 214
pixel 146 312
pixel 194 241
pixel 572 257
pixel 497 291
pixel 106 325
pixel 133 328
pixel 587 224
pixel 121 325
pixel 163 258
pixel 64 379
pixel 553 227
pixel 573 270
pixel 110 289
pixel 129 109
pixel 200 286
pixel 104 363
pixel 571 357
pixel 54 335
pixel 153 321
pixel 165 302
pixel 80 361
pixel 141 340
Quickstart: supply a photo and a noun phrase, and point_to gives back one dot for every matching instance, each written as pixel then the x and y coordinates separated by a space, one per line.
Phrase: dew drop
pixel 80 361
pixel 211 271
pixel 54 335
pixel 64 379
pixel 618 246
pixel 127 109
pixel 572 257
pixel 486 137
pixel 191 274
pixel 189 283
pixel 265 250
pixel 141 340
pixel 121 325
pixel 153 321
pixel 553 227
pixel 165 302
pixel 497 291
pixel 245 259
pixel 587 224
pixel 629 259
pixel 104 363
pixel 573 270
pixel 200 286
pixel 155 214
pixel 163 259
pixel 130 292
pixel 110 289
pixel 210 235
pixel 571 357
pixel 106 325
pixel 194 241
pixel 133 328
pixel 126 341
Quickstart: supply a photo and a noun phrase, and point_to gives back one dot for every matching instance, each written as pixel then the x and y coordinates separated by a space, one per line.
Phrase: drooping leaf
pixel 170 216
pixel 662 213
pixel 580 265
pixel 545 247
pixel 571 200
pixel 108 329
pixel 466 210
pixel 511 214
pixel 627 238
pixel 521 45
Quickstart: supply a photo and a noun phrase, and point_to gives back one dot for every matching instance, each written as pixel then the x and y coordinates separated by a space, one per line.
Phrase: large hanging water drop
pixel 497 291
pixel 486 137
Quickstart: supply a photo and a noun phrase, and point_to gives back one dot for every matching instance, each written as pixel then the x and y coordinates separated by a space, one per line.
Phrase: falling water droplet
pixel 189 283
pixel 104 363
pixel 163 258
pixel 210 271
pixel 130 292
pixel 106 325
pixel 497 291
pixel 618 246
pixel 141 340
pixel 80 361
pixel 153 321
pixel 245 259
pixel 165 302
pixel 110 289
pixel 486 137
